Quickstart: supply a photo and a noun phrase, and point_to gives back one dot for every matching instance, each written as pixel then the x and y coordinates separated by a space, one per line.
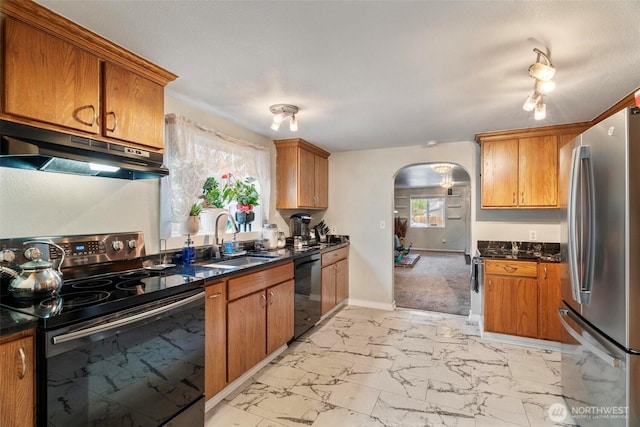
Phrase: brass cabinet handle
pixel 509 268
pixel 545 272
pixel 84 122
pixel 264 300
pixel 23 360
pixel 115 121
pixel 513 198
pixel 214 295
pixel 271 294
pixel 522 198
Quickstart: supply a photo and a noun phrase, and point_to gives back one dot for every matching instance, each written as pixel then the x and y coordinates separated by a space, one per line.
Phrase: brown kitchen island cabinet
pixel 259 316
pixel 335 278
pixel 17 390
pixel 215 338
pixel 511 297
pixel 302 175
pixel 61 76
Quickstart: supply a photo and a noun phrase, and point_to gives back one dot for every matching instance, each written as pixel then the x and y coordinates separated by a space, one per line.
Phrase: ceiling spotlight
pixel 281 113
pixel 542 71
pixel 442 167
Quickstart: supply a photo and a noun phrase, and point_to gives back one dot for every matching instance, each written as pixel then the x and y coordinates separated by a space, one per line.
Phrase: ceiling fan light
pixel 541 111
pixel 545 87
pixel 293 125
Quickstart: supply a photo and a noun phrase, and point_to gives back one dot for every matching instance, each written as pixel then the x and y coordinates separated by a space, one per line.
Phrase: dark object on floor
pixel 408 260
pixel 467 259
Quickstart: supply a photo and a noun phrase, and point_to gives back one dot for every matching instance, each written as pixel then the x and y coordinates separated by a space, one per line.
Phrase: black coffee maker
pixel 299 226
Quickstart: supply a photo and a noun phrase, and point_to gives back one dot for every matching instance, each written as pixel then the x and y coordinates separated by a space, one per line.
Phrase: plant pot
pixel 193 224
pixel 245 217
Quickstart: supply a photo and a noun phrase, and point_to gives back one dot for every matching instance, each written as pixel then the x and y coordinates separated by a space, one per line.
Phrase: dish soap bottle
pixel 188 252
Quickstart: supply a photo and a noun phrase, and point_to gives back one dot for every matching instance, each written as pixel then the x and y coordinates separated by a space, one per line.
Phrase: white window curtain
pixel 193 153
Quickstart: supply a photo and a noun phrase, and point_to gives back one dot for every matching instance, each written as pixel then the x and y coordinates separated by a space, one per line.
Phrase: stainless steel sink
pixel 237 263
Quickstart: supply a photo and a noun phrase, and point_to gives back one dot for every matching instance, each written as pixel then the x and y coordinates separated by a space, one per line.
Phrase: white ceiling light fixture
pixel 447 181
pixel 542 72
pixel 281 113
pixel 442 167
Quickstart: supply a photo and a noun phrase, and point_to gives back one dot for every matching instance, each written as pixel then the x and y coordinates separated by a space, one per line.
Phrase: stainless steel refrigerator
pixel 600 245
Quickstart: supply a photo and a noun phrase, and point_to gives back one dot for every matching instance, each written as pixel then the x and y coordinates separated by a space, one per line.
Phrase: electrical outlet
pixel 333 229
pixel 533 235
pixel 382 224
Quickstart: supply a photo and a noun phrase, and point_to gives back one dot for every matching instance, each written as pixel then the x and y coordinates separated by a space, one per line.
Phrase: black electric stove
pixel 102 274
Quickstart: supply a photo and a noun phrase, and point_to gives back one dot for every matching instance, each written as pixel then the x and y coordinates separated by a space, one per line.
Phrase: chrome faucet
pixel 163 255
pixel 218 244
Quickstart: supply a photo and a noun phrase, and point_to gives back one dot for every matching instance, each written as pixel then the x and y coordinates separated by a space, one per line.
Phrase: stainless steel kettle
pixel 37 277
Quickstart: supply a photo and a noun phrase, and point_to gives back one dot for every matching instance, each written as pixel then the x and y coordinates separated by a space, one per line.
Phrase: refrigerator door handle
pixel 581 225
pixel 606 357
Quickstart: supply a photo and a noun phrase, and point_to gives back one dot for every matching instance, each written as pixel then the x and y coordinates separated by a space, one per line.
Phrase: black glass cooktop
pixel 90 297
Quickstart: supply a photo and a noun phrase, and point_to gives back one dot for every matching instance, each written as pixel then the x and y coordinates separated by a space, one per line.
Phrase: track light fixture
pixel 542 72
pixel 281 113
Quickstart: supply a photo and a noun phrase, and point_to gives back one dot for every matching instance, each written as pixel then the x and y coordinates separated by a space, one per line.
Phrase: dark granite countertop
pixel 13 321
pixel 526 251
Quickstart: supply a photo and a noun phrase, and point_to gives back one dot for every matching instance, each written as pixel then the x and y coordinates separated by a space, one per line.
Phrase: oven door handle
pixel 59 339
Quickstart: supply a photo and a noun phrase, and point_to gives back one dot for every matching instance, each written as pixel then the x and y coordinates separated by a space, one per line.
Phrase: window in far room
pixel 427 212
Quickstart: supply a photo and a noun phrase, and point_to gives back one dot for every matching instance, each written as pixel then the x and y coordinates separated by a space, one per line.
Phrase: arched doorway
pixel 432 232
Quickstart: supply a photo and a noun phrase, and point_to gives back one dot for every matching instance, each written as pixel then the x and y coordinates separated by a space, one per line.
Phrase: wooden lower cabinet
pixel 17 390
pixel 549 300
pixel 335 278
pixel 511 297
pixel 215 339
pixel 258 324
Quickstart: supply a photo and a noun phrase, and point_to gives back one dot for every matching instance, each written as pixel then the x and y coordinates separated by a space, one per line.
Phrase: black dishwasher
pixel 308 290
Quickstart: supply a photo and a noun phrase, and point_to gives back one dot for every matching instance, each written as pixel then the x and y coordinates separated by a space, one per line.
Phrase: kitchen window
pixel 193 153
pixel 427 212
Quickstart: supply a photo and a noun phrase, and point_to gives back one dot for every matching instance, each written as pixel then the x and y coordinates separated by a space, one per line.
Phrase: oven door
pixel 143 367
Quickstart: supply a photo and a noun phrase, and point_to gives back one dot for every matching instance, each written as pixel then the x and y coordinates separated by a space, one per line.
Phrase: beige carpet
pixel 439 281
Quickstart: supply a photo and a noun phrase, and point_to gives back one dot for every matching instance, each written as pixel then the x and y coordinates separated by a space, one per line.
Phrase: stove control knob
pixel 7 255
pixel 117 245
pixel 131 244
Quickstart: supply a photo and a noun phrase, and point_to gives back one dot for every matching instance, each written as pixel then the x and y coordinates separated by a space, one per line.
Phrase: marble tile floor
pixel 366 367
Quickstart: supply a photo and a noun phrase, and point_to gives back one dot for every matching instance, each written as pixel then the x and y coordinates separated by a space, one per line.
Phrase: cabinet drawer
pixel 511 268
pixel 253 282
pixel 335 255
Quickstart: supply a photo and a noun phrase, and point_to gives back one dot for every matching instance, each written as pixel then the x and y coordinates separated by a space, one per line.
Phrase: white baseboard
pixel 219 397
pixel 474 318
pixel 371 304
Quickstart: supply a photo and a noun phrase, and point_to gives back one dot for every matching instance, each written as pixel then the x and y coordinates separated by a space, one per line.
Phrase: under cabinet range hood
pixel 31 148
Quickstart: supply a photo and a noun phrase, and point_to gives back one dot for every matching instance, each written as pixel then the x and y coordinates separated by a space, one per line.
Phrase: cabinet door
pixel 321 177
pixel 526 303
pixel 306 178
pixel 549 300
pixel 246 338
pixel 49 80
pixel 499 173
pixel 538 171
pixel 17 383
pixel 133 107
pixel 342 280
pixel 499 305
pixel 328 297
pixel 215 339
pixel 279 315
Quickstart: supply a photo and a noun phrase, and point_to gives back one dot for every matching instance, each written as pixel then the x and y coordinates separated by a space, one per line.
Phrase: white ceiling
pixel 373 74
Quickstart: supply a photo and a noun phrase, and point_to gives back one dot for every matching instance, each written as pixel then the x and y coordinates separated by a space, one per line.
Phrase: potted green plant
pixel 212 204
pixel 244 193
pixel 193 221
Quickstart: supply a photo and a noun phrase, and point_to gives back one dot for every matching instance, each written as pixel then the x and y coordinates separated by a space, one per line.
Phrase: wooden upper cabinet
pixel 538 171
pixel 520 167
pixel 302 175
pixel 58 75
pixel 133 107
pixel 49 80
pixel 499 173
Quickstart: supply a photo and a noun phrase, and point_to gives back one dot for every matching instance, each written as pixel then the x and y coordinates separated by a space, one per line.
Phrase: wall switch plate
pixel 533 235
pixel 333 229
